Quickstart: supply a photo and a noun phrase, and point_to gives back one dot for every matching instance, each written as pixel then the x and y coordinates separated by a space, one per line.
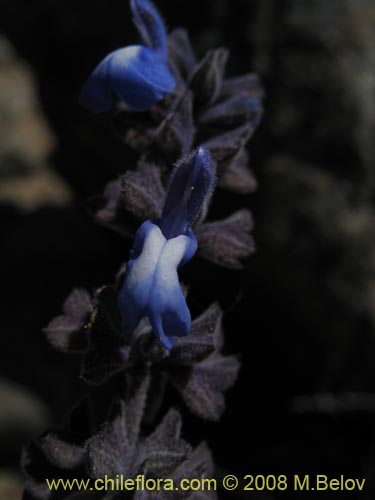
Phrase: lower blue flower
pixel 151 286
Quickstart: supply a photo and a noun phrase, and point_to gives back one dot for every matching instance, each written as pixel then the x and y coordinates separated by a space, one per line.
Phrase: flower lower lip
pixel 151 287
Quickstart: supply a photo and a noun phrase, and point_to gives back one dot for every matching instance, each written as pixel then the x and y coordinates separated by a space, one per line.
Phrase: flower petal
pixel 96 93
pixel 193 179
pixel 139 276
pixel 137 74
pixel 168 311
pixel 150 25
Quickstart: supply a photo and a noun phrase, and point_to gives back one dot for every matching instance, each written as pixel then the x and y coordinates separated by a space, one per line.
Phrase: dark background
pixel 301 314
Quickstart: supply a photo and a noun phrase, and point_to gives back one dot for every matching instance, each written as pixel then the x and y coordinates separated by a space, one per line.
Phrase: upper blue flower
pixel 151 286
pixel 137 74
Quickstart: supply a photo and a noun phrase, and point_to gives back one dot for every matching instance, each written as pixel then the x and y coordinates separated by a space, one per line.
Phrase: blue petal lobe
pixel 191 248
pixel 140 77
pixel 137 74
pixel 133 298
pixel 193 179
pixel 168 311
pixel 170 325
pixel 150 25
pixel 96 93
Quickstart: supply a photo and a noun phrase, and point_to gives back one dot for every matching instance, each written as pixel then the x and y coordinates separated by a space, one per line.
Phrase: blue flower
pixel 138 74
pixel 151 287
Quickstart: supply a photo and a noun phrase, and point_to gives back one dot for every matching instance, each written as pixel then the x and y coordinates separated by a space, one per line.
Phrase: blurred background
pixel 304 318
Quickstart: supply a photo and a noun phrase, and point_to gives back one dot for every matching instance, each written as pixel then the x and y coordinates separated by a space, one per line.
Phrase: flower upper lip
pixel 191 183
